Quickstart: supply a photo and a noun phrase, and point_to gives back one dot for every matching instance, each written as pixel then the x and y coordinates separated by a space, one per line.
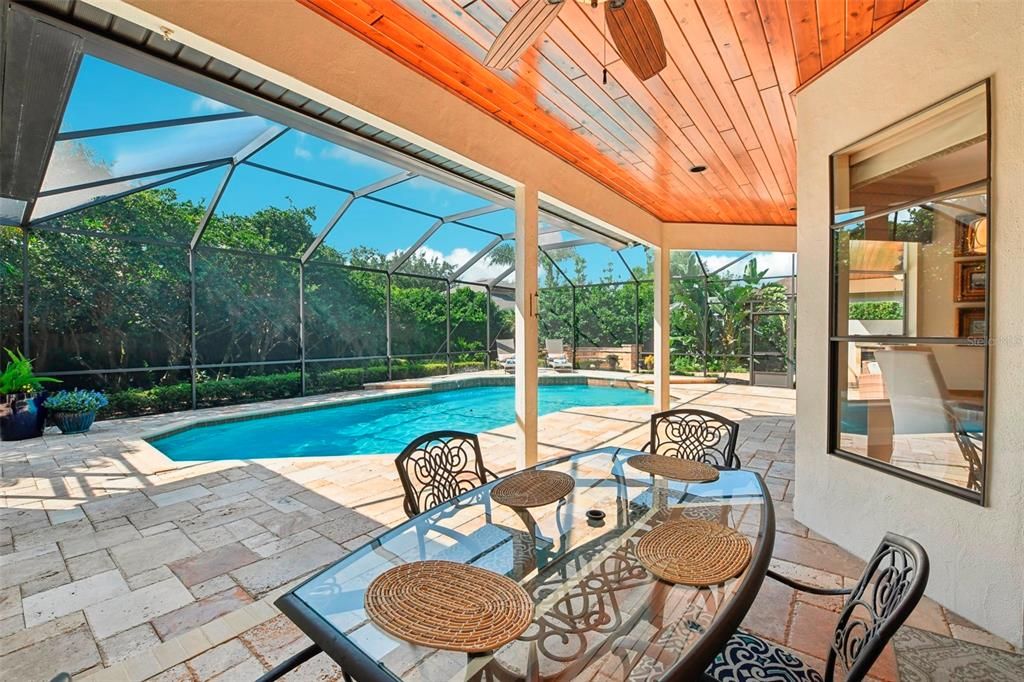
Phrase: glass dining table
pixel 599 613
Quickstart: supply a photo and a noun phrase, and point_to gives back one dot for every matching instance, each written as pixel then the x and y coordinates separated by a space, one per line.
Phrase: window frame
pixel 978 497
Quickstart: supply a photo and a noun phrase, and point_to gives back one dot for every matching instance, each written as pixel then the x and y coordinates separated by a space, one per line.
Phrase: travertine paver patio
pixel 120 563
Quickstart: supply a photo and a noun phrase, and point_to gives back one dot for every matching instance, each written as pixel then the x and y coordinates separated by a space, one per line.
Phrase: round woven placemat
pixel 449 606
pixel 674 467
pixel 692 552
pixel 533 488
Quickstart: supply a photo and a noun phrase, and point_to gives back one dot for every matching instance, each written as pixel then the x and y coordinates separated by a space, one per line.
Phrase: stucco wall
pixel 977 553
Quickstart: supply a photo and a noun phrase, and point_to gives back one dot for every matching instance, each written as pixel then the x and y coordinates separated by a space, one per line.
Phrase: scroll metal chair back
pixel 890 588
pixel 695 434
pixel 439 466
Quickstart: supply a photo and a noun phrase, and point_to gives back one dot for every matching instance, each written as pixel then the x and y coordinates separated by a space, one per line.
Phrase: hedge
pixel 876 310
pixel 232 390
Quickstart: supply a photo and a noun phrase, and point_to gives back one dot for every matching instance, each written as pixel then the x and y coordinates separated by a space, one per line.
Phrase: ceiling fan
pixel 632 24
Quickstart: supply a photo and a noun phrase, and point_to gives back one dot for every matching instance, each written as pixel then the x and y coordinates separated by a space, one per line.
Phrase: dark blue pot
pixel 23 417
pixel 73 422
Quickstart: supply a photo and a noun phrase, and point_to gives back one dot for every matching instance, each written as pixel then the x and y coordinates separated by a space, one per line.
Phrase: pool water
pixel 378 426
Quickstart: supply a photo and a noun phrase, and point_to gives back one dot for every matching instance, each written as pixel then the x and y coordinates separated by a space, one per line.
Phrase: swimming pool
pixel 377 426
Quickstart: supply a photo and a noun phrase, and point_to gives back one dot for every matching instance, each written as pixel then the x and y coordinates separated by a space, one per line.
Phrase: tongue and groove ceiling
pixel 723 101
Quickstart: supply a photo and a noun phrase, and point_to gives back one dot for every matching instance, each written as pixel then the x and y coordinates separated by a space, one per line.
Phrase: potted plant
pixel 75 411
pixel 22 414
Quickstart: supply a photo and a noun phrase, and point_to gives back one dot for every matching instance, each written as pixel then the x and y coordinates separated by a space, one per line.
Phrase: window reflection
pixel 910 241
pixel 916 272
pixel 918 407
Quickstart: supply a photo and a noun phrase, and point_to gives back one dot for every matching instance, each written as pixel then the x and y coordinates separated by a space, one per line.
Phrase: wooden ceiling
pixel 723 101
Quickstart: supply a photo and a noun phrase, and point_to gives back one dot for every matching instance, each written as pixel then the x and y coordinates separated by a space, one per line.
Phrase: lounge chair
pixel 918 396
pixel 506 349
pixel 557 359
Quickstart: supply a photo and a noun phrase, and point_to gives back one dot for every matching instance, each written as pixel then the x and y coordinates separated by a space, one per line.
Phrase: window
pixel 909 329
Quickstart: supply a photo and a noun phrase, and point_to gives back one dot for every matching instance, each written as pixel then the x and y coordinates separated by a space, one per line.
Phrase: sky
pixel 108 95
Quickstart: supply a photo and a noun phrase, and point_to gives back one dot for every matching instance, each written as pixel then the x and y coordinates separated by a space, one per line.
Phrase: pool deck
pixel 134 567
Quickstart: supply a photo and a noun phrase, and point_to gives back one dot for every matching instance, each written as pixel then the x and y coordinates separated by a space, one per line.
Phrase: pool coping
pixel 388 390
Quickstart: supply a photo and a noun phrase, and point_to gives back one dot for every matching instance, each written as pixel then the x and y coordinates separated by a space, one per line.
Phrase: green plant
pixel 18 376
pixel 78 401
pixel 684 365
pixel 876 310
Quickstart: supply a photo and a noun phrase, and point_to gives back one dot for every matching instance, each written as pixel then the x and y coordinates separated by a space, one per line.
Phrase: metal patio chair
pixel 892 584
pixel 439 466
pixel 694 434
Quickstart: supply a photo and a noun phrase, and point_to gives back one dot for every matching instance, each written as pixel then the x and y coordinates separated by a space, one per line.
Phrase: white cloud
pixel 481 271
pixel 303 153
pixel 777 263
pixel 205 104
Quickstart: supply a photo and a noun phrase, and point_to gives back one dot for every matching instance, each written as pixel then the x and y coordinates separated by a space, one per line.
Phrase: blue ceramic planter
pixel 22 417
pixel 73 422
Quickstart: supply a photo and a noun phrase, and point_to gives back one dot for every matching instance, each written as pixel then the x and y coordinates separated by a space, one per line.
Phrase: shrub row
pixel 876 310
pixel 232 390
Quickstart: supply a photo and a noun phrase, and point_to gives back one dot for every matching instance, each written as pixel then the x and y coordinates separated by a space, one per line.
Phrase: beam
pixel 473 261
pixel 526 326
pixel 328 227
pixel 151 125
pixel 385 183
pixel 117 195
pixel 662 321
pixel 415 247
pixel 571 244
pixel 728 265
pixel 209 163
pixel 258 143
pixel 473 213
pixel 211 208
pixel 726 237
pixel 504 275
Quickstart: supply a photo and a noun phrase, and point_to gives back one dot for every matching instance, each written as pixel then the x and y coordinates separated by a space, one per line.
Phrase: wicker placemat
pixel 692 552
pixel 445 605
pixel 674 467
pixel 533 488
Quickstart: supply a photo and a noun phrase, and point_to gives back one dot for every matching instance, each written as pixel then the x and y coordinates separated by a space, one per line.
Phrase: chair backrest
pixel 970 447
pixel 505 347
pixel 554 347
pixel 916 390
pixel 889 590
pixel 437 467
pixel 695 434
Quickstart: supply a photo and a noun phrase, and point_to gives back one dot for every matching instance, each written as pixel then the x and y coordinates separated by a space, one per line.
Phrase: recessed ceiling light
pixel 698 169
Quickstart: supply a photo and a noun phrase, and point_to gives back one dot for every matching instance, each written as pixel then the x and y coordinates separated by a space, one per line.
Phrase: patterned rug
pixel 927 657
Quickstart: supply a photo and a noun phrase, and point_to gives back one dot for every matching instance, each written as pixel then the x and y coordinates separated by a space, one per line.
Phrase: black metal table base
pixel 286 666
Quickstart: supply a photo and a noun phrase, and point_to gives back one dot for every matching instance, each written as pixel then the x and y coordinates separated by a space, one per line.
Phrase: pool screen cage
pixel 180 250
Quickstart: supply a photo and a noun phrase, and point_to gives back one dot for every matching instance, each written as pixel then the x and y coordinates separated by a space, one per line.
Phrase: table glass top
pixel 599 613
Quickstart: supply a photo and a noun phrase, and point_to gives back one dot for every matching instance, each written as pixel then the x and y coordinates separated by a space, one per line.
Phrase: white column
pixel 662 282
pixel 526 327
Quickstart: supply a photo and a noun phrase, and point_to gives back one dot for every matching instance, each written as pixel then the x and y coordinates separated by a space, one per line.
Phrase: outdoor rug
pixel 927 657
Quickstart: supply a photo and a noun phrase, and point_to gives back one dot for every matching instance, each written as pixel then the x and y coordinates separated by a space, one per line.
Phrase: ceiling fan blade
pixel 521 31
pixel 636 36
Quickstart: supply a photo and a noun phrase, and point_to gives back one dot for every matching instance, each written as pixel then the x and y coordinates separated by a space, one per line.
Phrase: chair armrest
pixel 491 474
pixel 646 447
pixel 812 589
